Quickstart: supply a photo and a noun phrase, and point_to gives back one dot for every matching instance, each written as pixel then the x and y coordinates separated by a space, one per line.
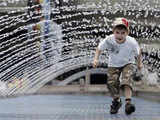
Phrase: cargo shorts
pixel 114 83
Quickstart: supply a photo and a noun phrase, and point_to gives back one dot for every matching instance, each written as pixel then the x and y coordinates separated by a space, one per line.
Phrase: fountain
pixel 42 39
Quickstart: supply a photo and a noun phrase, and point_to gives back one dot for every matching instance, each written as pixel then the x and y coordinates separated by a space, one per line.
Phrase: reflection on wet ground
pixel 73 107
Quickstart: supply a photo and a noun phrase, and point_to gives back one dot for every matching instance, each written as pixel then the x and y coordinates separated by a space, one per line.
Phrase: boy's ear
pixel 113 29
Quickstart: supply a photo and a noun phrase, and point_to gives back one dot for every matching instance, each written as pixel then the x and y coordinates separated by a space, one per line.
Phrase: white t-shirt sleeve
pixel 103 44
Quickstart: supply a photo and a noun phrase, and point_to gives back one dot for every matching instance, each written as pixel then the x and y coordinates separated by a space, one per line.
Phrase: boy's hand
pixel 95 63
pixel 138 75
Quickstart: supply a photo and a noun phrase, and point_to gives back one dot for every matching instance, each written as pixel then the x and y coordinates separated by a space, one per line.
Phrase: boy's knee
pixel 126 87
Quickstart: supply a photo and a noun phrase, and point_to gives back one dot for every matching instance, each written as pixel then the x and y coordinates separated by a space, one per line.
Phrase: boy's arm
pixel 96 58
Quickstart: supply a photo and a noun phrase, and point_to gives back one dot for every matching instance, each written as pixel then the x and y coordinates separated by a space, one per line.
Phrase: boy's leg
pixel 126 85
pixel 113 82
pixel 113 85
pixel 127 92
pixel 129 107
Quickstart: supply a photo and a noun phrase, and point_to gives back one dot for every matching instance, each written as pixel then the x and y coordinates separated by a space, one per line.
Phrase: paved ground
pixel 73 107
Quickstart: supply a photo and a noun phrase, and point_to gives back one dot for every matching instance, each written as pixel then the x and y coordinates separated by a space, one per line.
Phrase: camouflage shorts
pixel 118 77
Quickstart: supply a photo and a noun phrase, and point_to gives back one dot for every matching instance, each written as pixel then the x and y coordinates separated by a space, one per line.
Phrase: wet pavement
pixel 73 107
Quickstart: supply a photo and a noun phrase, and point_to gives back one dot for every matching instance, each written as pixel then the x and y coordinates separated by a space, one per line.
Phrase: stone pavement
pixel 73 107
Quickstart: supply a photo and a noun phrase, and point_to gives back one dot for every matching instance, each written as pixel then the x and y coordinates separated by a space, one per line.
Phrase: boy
pixel 124 51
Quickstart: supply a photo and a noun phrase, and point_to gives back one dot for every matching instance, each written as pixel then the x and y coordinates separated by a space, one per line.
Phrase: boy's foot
pixel 115 106
pixel 129 108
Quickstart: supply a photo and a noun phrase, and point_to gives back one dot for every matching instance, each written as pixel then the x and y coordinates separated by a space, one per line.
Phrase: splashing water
pixel 35 51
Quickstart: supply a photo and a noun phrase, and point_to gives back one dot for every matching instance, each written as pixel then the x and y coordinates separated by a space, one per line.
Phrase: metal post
pixel 87 79
pixel 82 85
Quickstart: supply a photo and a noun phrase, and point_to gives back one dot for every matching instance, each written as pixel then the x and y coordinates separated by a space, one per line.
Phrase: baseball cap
pixel 121 21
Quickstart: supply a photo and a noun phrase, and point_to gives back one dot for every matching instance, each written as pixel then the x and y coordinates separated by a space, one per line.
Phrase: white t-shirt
pixel 120 54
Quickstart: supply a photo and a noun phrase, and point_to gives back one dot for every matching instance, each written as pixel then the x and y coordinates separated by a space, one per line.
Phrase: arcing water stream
pixel 44 37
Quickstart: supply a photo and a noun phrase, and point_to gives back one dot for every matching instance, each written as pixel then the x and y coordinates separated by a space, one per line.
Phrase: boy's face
pixel 120 35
